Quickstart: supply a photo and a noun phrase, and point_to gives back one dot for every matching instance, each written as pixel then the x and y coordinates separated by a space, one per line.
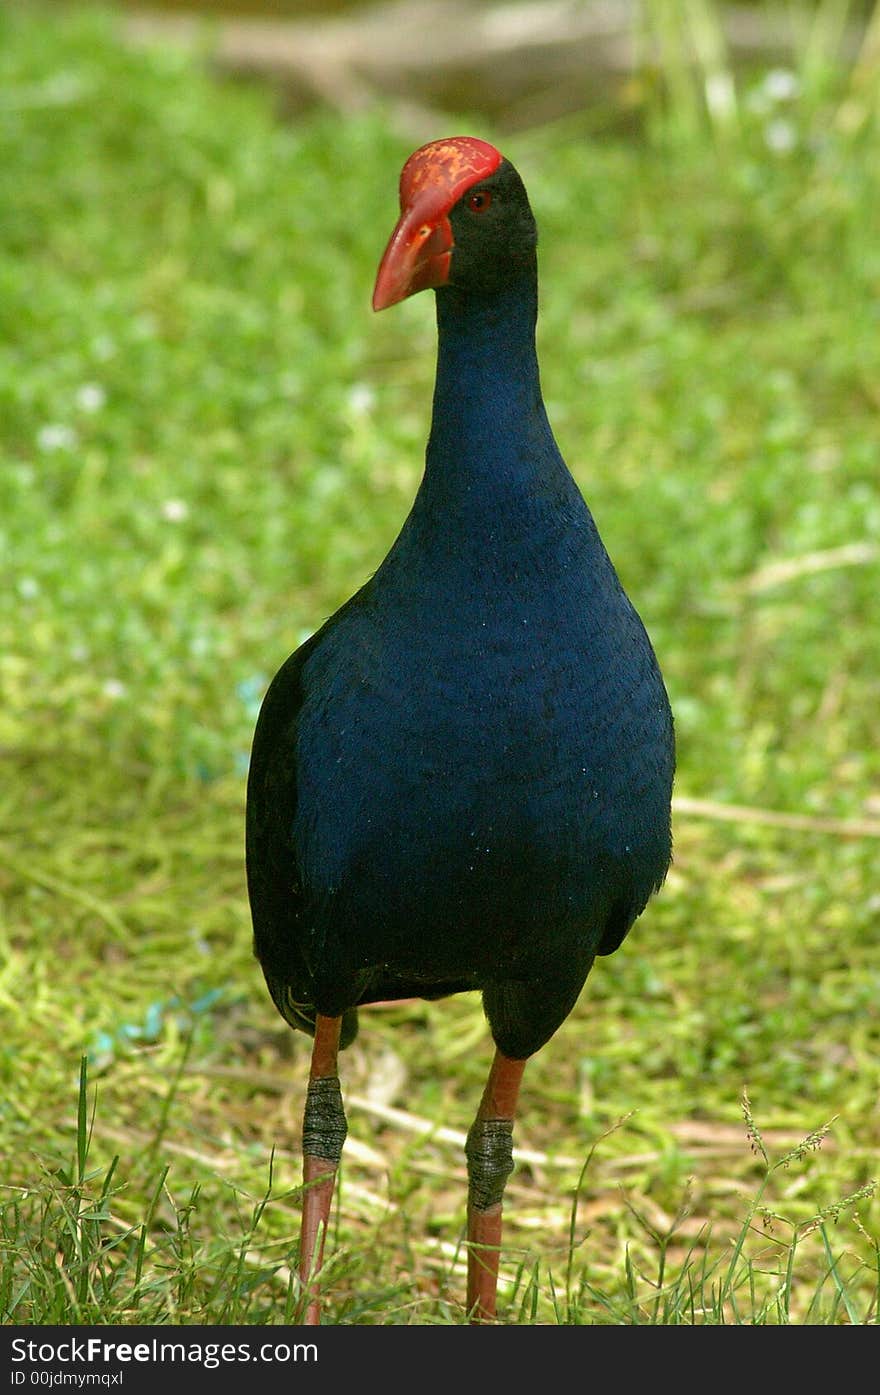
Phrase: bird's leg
pixel 324 1130
pixel 489 1152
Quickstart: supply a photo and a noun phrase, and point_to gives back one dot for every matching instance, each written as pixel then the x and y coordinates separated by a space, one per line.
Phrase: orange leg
pixel 323 1137
pixel 490 1161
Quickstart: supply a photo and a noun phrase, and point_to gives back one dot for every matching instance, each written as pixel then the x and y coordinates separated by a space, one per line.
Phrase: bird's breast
pixel 485 767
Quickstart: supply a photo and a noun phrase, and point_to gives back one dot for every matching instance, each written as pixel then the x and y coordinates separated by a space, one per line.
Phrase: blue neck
pixel 497 504
pixel 489 429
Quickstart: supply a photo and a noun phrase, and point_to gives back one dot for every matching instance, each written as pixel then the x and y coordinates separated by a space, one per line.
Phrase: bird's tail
pixel 302 1015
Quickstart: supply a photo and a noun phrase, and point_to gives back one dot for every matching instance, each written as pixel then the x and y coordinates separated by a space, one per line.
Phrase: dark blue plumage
pixel 463 780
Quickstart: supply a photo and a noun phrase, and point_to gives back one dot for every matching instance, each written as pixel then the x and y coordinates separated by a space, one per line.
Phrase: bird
pixel 462 780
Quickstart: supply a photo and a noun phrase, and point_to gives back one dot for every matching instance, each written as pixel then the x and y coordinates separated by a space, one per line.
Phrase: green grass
pixel 207 442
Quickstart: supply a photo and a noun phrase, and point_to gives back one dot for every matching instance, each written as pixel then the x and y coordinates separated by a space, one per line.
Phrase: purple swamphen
pixel 463 779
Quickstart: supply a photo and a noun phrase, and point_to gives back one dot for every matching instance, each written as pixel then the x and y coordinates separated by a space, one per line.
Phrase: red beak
pixel 431 183
pixel 417 256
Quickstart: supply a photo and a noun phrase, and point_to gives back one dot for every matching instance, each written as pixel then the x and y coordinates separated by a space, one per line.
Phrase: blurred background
pixel 207 442
pixel 520 64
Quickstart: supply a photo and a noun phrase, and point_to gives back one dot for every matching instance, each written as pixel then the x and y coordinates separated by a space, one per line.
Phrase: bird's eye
pixel 478 203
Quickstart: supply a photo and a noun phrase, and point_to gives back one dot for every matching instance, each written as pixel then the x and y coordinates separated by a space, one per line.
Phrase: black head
pixel 465 221
pixel 493 233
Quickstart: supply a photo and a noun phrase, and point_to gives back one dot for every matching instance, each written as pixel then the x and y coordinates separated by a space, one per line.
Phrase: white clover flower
pixel 175 510
pixel 780 136
pixel 90 397
pixel 781 85
pixel 56 436
pixel 361 399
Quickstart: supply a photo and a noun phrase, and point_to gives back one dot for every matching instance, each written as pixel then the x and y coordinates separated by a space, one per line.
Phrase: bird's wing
pixel 274 886
pixel 278 898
